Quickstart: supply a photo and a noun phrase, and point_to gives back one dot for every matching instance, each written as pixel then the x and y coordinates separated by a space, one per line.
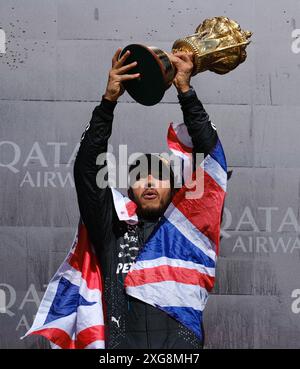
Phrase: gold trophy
pixel 218 44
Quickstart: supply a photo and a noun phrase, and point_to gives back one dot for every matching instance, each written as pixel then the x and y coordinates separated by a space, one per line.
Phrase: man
pixel 131 323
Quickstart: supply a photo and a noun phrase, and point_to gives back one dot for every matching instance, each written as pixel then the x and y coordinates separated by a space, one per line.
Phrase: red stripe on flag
pixel 174 143
pixel 169 273
pixel 60 338
pixel 85 261
pixel 89 335
pixel 203 212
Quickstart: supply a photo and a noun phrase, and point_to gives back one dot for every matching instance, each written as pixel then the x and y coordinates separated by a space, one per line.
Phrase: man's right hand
pixel 114 88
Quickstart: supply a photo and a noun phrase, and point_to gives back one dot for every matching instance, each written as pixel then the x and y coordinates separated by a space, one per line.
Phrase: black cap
pixel 154 164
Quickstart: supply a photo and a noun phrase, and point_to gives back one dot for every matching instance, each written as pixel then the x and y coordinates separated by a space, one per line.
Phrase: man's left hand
pixel 183 63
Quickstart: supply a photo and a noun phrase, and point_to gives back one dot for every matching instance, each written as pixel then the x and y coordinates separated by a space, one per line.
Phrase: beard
pixel 152 211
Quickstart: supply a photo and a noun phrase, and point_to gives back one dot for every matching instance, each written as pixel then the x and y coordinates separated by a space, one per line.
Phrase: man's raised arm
pixel 199 126
pixel 201 130
pixel 96 203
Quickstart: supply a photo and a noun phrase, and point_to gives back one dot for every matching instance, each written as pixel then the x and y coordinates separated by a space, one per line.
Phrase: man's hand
pixel 183 62
pixel 114 88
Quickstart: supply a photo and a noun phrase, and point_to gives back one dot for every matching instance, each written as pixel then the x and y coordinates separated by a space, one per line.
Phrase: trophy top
pixel 222 27
pixel 219 45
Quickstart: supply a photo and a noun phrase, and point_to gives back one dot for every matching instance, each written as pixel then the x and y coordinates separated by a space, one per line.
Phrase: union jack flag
pixel 70 315
pixel 174 271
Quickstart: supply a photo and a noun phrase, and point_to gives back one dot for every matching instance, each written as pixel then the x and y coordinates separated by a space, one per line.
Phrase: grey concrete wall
pixel 53 75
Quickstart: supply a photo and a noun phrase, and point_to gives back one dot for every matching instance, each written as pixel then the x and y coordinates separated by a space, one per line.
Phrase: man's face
pixel 152 196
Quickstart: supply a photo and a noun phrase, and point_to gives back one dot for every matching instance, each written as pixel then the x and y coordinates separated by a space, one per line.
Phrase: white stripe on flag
pixel 182 134
pixel 214 169
pixel 88 316
pixel 142 264
pixel 183 295
pixel 192 233
pixel 66 323
pixel 70 323
pixel 187 160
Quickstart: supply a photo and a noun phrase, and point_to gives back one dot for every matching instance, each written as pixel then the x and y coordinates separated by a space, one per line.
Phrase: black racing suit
pixel 130 323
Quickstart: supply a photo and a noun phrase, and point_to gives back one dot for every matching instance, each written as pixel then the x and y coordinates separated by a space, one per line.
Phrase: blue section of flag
pixel 217 153
pixel 168 241
pixel 189 317
pixel 66 301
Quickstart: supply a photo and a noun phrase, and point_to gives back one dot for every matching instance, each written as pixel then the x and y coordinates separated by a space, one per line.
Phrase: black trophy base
pixel 156 74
